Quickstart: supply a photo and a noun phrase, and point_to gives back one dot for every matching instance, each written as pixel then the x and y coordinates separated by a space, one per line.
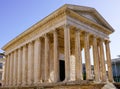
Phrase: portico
pixel 33 57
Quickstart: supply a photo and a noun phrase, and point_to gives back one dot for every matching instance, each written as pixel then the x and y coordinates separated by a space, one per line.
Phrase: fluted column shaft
pixel 46 58
pixel 6 69
pixel 19 71
pixel 87 56
pixel 15 67
pixel 78 61
pixel 99 65
pixel 25 64
pixel 102 61
pixel 37 61
pixel 56 55
pixel 42 59
pixel 14 63
pixel 108 56
pixel 11 69
pixel 6 65
pixel 96 61
pixel 30 63
pixel 67 52
pixel 12 79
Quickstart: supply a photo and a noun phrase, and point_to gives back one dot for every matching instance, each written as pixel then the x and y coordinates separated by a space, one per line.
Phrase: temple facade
pixel 53 50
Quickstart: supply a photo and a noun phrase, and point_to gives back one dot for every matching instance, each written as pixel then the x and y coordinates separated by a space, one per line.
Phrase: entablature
pixel 83 27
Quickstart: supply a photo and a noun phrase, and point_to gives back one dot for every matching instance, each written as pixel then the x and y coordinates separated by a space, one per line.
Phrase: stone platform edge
pixel 64 85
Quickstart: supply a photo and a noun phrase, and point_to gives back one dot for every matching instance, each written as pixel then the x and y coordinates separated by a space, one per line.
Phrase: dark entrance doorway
pixel 62 70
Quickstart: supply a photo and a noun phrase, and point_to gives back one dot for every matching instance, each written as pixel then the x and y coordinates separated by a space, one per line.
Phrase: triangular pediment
pixel 90 14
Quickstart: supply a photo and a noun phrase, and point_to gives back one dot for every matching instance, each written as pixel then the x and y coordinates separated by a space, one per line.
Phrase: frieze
pixel 84 27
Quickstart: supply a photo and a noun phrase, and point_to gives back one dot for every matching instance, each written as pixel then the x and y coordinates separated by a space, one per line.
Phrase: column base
pixel 14 83
pixel 37 83
pixel 30 83
pixel 10 85
pixel 66 80
pixel 19 83
pixel 46 81
pixel 24 83
pixel 97 82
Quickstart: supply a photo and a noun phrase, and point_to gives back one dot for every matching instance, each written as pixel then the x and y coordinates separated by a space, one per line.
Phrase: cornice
pixel 102 20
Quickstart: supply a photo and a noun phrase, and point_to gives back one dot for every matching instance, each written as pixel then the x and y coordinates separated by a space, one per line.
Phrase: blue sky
pixel 18 15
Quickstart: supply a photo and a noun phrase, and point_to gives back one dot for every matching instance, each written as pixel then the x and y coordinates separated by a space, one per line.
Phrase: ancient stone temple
pixel 53 50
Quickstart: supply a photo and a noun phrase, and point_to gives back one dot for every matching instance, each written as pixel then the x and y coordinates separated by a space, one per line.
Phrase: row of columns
pixel 24 65
pixel 100 73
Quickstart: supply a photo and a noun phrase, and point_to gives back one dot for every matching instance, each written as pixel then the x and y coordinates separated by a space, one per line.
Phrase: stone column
pixel 56 55
pixel 14 58
pixel 42 72
pixel 6 64
pixel 67 52
pixel 15 67
pixel 5 69
pixel 108 55
pixel 46 58
pixel 78 61
pixel 11 69
pixel 37 61
pixel 99 64
pixel 30 63
pixel 96 61
pixel 87 56
pixel 102 62
pixel 19 71
pixel 24 65
pixel 8 69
